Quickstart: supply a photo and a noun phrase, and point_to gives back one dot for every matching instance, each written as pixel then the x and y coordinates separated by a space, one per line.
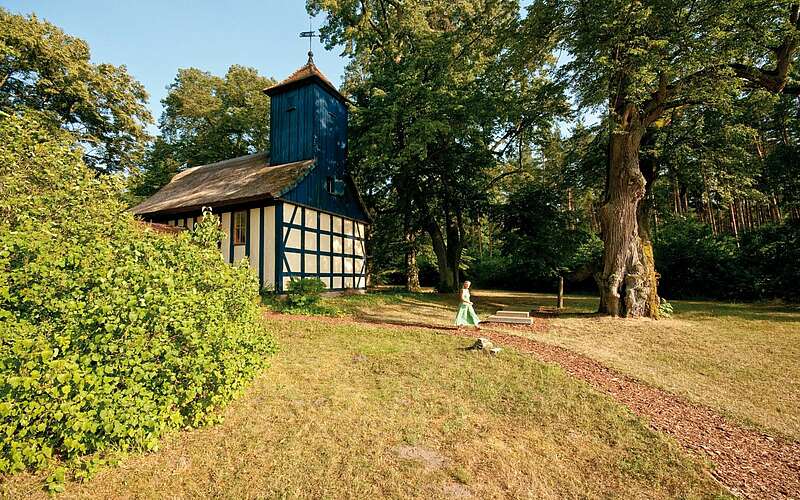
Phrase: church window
pixel 239 228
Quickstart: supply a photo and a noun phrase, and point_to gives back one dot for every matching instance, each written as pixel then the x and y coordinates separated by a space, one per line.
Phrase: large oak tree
pixel 640 60
pixel 439 98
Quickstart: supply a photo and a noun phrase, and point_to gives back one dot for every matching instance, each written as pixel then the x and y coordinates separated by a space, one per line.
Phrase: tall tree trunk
pixel 480 236
pixel 649 171
pixel 734 225
pixel 676 197
pixel 448 270
pixel 776 209
pixel 412 270
pixel 628 269
pixel 409 233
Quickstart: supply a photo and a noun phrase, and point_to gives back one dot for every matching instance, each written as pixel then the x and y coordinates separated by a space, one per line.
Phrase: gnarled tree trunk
pixel 628 273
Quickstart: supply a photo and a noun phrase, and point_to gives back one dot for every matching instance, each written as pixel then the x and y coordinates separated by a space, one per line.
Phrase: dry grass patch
pixel 743 360
pixel 740 359
pixel 362 411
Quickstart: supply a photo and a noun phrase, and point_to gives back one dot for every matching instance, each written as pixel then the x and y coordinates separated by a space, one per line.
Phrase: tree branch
pixel 502 176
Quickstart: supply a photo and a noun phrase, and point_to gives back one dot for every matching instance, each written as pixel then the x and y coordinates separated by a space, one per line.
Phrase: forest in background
pixel 511 146
pixel 493 143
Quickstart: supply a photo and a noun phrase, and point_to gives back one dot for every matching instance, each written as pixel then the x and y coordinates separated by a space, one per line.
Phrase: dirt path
pixel 748 462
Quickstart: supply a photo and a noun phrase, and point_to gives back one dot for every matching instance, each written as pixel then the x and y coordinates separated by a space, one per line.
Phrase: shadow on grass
pixel 697 309
pixel 435 305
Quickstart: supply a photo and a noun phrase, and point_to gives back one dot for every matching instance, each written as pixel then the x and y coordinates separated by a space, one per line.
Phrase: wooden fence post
pixel 561 292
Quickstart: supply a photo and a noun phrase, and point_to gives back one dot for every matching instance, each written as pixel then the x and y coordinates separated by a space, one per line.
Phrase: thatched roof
pixel 229 182
pixel 308 71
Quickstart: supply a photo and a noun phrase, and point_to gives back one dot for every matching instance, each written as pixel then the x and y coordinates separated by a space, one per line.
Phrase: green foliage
pixel 304 292
pixel 304 297
pixel 695 263
pixel 440 95
pixel 543 238
pixel 771 254
pixel 206 118
pixel 110 334
pixel 496 271
pixel 665 309
pixel 44 69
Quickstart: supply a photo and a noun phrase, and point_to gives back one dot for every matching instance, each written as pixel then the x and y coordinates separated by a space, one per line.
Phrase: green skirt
pixel 466 316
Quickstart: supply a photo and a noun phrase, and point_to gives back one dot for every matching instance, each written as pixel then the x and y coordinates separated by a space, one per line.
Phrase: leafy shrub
pixel 304 296
pixel 694 263
pixel 771 254
pixel 304 292
pixel 110 334
pixel 665 309
pixel 544 239
pixel 496 271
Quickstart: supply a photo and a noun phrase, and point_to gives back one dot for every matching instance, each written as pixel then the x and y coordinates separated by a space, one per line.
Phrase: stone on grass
pixel 482 344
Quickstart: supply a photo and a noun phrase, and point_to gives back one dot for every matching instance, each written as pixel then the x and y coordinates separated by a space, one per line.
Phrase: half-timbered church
pixel 295 213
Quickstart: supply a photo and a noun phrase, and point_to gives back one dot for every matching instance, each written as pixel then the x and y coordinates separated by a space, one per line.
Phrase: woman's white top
pixel 464 295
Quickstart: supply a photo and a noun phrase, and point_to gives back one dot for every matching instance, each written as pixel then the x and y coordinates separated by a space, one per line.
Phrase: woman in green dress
pixel 466 314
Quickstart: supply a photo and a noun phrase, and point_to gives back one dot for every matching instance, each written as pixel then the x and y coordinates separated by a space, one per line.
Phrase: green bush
pixel 693 263
pixel 771 255
pixel 110 334
pixel 542 240
pixel 665 309
pixel 496 271
pixel 304 292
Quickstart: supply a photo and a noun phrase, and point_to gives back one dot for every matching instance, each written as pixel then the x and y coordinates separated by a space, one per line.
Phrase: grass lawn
pixel 740 359
pixel 365 411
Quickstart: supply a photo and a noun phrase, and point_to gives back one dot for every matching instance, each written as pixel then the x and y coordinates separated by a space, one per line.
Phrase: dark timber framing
pixel 358 262
pixel 261 246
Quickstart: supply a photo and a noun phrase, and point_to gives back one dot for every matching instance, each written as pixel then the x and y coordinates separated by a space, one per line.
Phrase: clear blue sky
pixel 153 39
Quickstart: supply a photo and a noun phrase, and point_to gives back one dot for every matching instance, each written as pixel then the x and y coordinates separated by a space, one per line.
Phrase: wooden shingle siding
pixel 292 125
pixel 309 122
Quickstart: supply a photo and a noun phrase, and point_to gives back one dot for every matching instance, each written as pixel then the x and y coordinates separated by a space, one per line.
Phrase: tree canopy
pixel 459 108
pixel 642 62
pixel 44 69
pixel 438 98
pixel 206 118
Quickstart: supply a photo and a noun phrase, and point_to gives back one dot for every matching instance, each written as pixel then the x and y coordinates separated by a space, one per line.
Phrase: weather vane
pixel 310 34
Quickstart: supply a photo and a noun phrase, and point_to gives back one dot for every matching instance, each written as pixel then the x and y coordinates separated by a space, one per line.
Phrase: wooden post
pixel 560 292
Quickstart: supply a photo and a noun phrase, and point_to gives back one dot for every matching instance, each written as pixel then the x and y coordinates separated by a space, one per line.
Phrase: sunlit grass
pixel 360 411
pixel 741 359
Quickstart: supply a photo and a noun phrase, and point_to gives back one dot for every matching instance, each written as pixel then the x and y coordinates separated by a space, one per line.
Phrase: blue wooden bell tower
pixel 308 119
pixel 294 213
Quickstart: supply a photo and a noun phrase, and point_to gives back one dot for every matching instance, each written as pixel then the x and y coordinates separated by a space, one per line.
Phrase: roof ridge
pixel 308 70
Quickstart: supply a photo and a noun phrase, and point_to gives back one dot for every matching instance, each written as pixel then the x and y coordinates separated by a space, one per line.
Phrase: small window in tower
pixel 239 228
pixel 334 186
